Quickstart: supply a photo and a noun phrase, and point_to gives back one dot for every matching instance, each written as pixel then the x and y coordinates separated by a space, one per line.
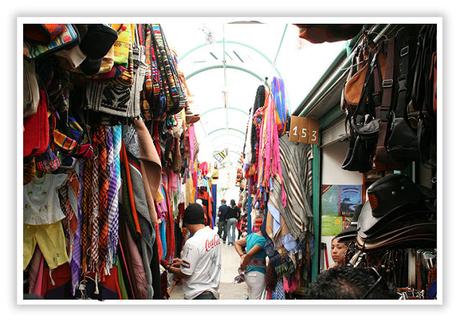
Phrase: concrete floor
pixel 227 289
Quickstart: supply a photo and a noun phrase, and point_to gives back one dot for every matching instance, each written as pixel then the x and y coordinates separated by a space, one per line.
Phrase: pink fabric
pixel 37 265
pixel 192 139
pixel 173 181
pixel 139 277
pixel 269 162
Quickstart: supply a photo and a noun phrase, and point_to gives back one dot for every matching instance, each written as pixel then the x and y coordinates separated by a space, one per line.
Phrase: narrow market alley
pixel 146 146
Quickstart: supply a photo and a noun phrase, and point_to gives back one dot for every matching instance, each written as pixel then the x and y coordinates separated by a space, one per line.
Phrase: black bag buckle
pixel 404 51
pixel 388 83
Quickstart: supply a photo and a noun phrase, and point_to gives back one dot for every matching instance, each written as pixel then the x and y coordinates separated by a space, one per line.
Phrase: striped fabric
pixel 104 182
pixel 86 213
pixel 93 263
pixel 75 264
pixel 115 183
pixel 298 214
pixel 71 224
pixel 66 39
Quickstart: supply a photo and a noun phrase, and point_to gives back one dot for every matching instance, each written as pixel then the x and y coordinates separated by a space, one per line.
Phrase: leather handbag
pixel 402 141
pixel 364 130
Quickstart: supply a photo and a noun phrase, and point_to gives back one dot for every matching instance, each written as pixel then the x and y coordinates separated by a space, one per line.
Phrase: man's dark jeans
pixel 222 230
pixel 206 295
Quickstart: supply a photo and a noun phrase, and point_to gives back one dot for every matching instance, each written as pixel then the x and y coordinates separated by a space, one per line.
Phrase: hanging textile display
pixel 107 152
pixel 275 168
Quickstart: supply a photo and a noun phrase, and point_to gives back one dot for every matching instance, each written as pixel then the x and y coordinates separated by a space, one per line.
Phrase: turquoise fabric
pixel 251 241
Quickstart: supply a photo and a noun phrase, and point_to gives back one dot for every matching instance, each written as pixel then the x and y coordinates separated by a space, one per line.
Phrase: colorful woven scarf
pixel 104 182
pixel 114 186
pixel 279 96
pixel 71 224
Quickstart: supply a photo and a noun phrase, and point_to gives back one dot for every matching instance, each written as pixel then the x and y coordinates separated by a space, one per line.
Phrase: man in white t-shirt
pixel 200 262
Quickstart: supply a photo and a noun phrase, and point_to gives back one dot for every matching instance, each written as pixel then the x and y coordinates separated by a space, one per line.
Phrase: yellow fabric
pixel 269 225
pixel 190 192
pixel 159 196
pixel 51 241
pixel 107 61
pixel 122 44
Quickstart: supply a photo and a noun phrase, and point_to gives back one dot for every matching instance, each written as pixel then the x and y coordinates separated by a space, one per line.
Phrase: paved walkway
pixel 227 289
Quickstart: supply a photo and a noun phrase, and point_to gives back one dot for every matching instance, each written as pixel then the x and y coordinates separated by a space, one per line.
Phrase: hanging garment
pixel 36 129
pixel 69 195
pixel 114 138
pixel 294 165
pixel 41 200
pixel 278 293
pixel 136 265
pixel 279 96
pixel 36 274
pixel 50 239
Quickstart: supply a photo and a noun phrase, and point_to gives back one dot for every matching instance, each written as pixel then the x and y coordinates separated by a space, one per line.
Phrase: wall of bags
pixel 109 150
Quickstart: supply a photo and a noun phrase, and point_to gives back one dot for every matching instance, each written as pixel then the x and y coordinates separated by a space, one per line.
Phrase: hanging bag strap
pixel 382 160
pixel 404 55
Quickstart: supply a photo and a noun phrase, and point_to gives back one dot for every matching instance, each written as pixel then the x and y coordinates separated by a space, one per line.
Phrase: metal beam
pixel 280 44
pixel 221 66
pixel 265 57
pixel 225 129
pixel 245 112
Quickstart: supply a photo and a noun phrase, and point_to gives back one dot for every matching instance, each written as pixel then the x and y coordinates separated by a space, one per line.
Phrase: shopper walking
pixel 200 262
pixel 252 252
pixel 222 223
pixel 233 216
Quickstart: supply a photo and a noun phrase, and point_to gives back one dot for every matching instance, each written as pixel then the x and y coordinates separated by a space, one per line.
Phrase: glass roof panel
pixel 253 51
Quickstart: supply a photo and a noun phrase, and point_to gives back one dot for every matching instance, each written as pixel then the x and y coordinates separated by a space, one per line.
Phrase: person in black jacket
pixel 222 222
pixel 232 219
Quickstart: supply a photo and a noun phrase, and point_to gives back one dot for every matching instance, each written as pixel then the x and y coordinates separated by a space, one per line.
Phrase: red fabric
pixel 43 33
pixel 61 275
pixel 156 139
pixel 36 129
pixel 204 168
pixel 205 196
pixel 157 238
pixel 125 267
pixel 36 274
pixel 125 162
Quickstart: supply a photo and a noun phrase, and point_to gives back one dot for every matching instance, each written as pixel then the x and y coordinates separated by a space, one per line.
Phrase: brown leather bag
pixel 352 91
pixel 383 83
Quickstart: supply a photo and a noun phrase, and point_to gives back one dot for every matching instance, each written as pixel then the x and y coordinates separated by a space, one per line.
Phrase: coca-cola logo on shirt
pixel 213 243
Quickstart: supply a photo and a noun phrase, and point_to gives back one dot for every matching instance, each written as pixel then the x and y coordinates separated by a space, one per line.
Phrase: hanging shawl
pixel 114 187
pixel 269 166
pixel 294 165
pixel 279 96
pixel 69 195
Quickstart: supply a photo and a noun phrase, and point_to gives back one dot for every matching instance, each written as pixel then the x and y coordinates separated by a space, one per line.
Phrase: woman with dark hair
pixel 251 250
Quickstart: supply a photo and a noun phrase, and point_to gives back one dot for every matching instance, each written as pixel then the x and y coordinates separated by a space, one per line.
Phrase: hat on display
pixel 74 56
pixel 391 193
pixel 194 214
pixel 98 40
pixel 90 66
